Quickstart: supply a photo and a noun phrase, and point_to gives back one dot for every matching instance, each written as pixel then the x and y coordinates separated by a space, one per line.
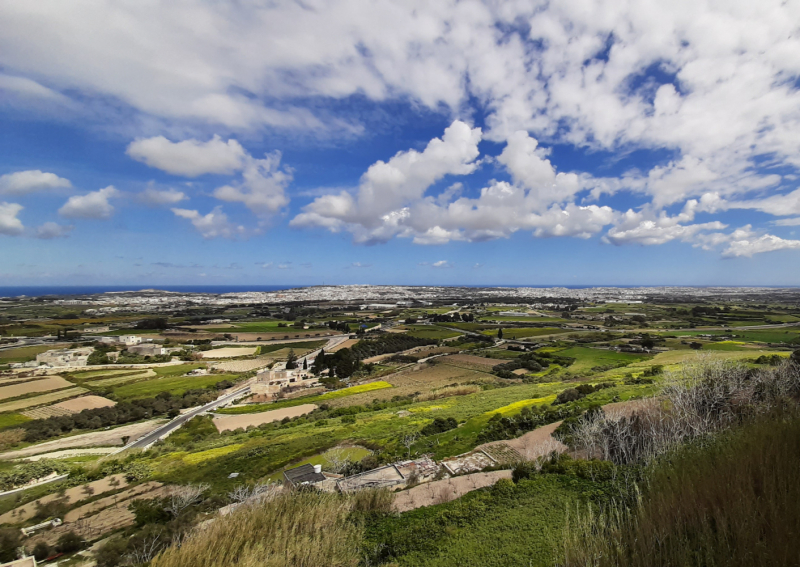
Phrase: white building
pixel 130 340
pixel 65 357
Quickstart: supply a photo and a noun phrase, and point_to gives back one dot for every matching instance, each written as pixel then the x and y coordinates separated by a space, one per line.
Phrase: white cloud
pixel 10 225
pixel 745 242
pixel 359 265
pixel 212 225
pixel 710 84
pixel 541 200
pixel 50 230
pixel 24 182
pixel 787 222
pixel 442 264
pixel 160 197
pixel 93 205
pixel 189 158
pixel 263 186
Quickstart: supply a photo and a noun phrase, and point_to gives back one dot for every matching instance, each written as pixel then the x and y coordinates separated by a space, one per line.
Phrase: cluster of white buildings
pixel 274 381
pixel 64 357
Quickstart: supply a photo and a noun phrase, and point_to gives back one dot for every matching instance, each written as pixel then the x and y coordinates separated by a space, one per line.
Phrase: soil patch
pixel 471 362
pixel 43 399
pixel 231 422
pixel 34 386
pixel 229 352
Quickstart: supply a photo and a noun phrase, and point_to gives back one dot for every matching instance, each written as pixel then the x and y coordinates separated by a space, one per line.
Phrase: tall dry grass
pixel 699 399
pixel 294 529
pixel 732 503
pixel 722 455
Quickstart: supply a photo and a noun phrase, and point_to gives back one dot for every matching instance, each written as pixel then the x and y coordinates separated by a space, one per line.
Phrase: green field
pixel 12 420
pixel 175 385
pixel 778 335
pixel 264 327
pixel 588 358
pixel 430 332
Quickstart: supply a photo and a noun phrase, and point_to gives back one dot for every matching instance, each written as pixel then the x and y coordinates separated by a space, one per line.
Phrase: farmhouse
pixel 273 381
pixel 130 340
pixel 310 475
pixel 64 357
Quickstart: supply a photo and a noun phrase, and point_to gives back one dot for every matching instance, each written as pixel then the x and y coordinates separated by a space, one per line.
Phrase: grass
pixel 516 407
pixel 350 453
pixel 505 525
pixel 588 358
pixel 296 529
pixel 175 385
pixel 731 502
pixel 12 420
pixel 195 458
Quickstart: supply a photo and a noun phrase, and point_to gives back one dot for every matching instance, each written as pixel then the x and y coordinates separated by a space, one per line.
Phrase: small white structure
pixel 130 340
pixel 33 529
pixel 148 349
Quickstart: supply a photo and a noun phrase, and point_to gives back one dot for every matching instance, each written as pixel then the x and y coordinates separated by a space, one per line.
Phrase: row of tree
pixel 124 412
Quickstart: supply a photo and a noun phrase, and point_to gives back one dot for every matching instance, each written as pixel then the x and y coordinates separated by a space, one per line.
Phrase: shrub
pixel 69 542
pixel 439 425
pixel 41 551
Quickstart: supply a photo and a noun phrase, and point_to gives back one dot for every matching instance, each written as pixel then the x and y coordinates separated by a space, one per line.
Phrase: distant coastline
pixel 39 291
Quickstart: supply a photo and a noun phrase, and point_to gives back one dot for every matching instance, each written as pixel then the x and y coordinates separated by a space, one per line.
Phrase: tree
pixel 305 364
pixel 696 345
pixel 796 356
pixel 9 543
pixel 41 551
pixel 181 497
pixel 499 333
pixel 291 360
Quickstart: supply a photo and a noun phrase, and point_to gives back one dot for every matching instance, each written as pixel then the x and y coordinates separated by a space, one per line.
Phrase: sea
pixel 37 291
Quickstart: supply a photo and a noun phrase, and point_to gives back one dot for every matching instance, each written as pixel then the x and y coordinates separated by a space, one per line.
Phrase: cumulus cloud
pixel 10 225
pixel 94 205
pixel 212 225
pixel 50 230
pixel 392 200
pixel 442 264
pixel 709 85
pixel 746 242
pixel 159 197
pixel 189 158
pixel 24 182
pixel 373 214
pixel 263 186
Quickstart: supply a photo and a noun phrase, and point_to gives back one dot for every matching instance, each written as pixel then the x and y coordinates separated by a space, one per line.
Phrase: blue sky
pixel 466 143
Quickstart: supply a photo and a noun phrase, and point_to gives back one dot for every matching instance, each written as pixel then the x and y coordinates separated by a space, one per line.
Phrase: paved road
pixel 147 440
pixel 152 437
